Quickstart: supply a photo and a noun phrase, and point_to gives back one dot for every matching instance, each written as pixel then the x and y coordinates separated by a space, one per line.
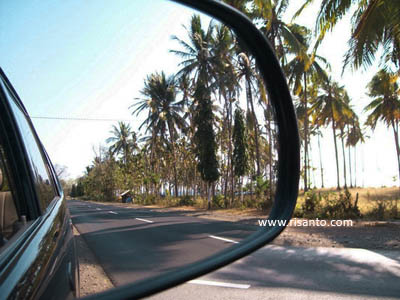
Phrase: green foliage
pixel 383 88
pixel 262 185
pixel 240 157
pixel 73 191
pixel 148 200
pixel 218 201
pixel 329 206
pixel 186 201
pixel 79 189
pixel 312 202
pixel 384 210
pixel 204 137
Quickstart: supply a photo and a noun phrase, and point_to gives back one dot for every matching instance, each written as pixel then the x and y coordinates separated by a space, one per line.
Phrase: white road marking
pixel 222 284
pixel 113 212
pixel 223 239
pixel 144 220
pixel 98 208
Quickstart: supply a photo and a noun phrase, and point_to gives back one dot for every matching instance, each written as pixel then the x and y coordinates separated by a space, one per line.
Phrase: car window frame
pixel 22 178
pixel 23 155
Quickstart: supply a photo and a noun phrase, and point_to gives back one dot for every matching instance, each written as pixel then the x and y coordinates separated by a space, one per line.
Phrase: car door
pixel 37 254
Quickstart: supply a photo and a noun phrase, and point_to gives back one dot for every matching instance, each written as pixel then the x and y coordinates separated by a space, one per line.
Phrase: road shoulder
pixel 93 279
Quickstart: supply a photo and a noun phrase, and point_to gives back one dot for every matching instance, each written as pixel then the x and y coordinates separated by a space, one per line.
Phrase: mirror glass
pixel 158 124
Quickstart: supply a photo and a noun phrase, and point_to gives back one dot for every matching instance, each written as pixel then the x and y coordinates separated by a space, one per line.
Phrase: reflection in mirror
pixel 163 121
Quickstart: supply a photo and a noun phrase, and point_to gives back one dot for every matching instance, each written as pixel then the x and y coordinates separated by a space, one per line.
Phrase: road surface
pixel 133 244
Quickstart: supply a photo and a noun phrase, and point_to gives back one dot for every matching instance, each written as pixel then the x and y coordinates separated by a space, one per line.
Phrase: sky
pixel 88 59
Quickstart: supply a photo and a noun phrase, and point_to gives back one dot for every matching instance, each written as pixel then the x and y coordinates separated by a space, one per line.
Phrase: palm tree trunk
pixel 305 135
pixel 230 154
pixel 320 163
pixel 241 188
pixel 355 165
pixel 250 99
pixel 396 141
pixel 171 133
pixel 226 179
pixel 270 159
pixel 336 153
pixel 208 195
pixel 344 158
pixel 351 178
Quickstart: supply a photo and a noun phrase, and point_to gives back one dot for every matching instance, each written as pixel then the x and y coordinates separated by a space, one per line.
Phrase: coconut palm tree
pixel 329 108
pixel 342 123
pixel 280 34
pixel 374 23
pixel 355 135
pixel 247 71
pixel 198 61
pixel 300 70
pixel 123 139
pixel 385 106
pixel 164 111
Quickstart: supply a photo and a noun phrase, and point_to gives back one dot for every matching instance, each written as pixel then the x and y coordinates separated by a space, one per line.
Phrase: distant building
pixel 126 197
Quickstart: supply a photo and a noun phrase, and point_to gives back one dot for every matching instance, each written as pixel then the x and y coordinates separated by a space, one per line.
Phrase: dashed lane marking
pixel 223 239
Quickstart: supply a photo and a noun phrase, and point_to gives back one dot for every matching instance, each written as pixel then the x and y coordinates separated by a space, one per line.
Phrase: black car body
pixel 37 251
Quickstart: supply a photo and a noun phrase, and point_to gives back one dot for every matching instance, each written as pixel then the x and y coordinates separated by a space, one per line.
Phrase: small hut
pixel 126 197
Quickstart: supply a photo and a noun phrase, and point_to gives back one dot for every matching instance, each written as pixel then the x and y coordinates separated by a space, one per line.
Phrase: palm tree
pixel 385 106
pixel 374 23
pixel 281 35
pixel 123 139
pixel 248 72
pixel 198 60
pixel 343 122
pixel 355 135
pixel 164 111
pixel 300 70
pixel 329 107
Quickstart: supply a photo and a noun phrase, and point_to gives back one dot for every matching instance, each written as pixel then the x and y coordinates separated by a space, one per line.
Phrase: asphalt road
pixel 133 244
pixel 129 248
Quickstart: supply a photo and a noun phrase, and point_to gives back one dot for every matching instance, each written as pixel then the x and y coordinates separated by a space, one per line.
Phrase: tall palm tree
pixel 355 135
pixel 198 61
pixel 343 122
pixel 226 81
pixel 329 108
pixel 280 34
pixel 123 139
pixel 248 72
pixel 374 23
pixel 385 106
pixel 164 111
pixel 300 70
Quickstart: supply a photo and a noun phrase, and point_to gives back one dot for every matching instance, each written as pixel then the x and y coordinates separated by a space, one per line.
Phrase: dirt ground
pixel 93 279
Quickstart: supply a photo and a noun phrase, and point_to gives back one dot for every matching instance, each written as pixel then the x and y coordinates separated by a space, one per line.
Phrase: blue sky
pixel 89 59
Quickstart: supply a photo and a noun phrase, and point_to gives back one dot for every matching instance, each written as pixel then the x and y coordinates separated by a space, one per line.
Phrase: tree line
pixel 209 130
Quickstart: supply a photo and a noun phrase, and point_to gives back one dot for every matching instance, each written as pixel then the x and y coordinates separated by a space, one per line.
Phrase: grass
pixel 371 201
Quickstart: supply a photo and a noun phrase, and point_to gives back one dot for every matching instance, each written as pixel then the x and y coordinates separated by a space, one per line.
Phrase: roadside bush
pixel 328 206
pixel 298 211
pixel 186 201
pixel 383 210
pixel 341 207
pixel 312 203
pixel 218 201
pixel 148 200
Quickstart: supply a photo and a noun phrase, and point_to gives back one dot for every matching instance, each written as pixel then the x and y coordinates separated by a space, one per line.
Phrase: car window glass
pixel 40 170
pixel 8 212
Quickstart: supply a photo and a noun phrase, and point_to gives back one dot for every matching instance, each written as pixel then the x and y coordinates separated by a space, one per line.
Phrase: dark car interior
pixel 8 213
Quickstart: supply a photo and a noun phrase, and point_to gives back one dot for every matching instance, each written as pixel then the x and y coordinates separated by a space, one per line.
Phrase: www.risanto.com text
pixel 306 223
